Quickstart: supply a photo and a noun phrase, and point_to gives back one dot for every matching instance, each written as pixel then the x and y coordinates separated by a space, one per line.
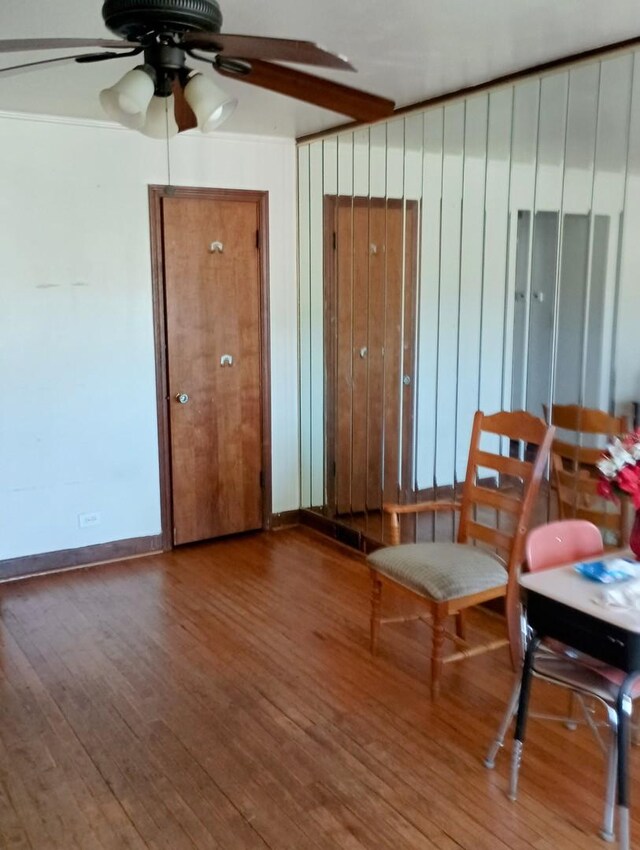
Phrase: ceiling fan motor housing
pixel 135 19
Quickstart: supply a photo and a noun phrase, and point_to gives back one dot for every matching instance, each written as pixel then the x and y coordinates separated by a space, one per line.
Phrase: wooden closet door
pixel 212 293
pixel 370 295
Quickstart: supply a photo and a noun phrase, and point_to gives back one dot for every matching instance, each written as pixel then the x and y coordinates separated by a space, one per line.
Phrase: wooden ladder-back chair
pixel 575 476
pixel 450 577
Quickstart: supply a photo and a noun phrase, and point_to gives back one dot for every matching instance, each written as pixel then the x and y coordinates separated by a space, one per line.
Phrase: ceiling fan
pixel 163 96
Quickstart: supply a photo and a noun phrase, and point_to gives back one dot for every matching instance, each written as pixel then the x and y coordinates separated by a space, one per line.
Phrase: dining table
pixel 600 620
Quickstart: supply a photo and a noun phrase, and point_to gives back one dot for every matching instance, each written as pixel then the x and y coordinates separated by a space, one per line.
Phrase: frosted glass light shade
pixel 210 104
pixel 160 122
pixel 127 101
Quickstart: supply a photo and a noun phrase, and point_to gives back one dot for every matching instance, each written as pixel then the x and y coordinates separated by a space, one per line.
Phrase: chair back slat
pixel 587 420
pixel 495 499
pixel 493 537
pixel 516 424
pixel 504 464
pixel 577 454
pixel 601 519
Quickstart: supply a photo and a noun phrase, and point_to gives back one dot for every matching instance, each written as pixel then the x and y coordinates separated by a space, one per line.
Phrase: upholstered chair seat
pixel 440 570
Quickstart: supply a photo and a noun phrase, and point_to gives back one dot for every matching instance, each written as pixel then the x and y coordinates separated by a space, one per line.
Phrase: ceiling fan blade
pixel 16 45
pixel 12 70
pixel 184 115
pixel 257 47
pixel 334 96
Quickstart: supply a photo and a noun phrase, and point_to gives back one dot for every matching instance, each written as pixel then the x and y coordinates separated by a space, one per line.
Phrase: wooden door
pixel 370 279
pixel 212 284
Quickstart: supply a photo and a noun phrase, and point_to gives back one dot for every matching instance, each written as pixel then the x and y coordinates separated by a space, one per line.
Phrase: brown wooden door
pixel 212 295
pixel 371 271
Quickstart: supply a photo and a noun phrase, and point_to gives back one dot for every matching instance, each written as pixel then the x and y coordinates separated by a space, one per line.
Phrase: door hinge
pixel 335 241
pixel 262 481
pixel 257 238
pixel 335 469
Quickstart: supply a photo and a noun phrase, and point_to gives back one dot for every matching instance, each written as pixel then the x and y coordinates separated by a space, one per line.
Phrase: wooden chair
pixel 575 476
pixel 450 577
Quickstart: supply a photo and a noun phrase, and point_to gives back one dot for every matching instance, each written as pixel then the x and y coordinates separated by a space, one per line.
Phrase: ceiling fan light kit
pixel 210 104
pixel 165 91
pixel 160 121
pixel 127 101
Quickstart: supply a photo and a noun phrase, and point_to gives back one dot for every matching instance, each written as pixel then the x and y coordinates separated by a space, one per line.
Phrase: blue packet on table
pixel 617 569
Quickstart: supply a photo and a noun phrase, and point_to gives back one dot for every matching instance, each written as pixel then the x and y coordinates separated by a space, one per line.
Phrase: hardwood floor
pixel 223 696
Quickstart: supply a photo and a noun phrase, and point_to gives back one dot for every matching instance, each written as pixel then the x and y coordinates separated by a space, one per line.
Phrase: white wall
pixel 77 377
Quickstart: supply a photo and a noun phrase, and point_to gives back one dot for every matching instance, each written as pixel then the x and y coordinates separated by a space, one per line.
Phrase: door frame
pixel 156 194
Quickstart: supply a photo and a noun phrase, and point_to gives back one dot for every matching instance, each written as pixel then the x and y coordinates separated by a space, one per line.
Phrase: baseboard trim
pixel 84 556
pixel 285 519
pixel 339 531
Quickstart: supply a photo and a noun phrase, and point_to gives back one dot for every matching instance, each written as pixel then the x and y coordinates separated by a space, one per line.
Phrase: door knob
pixel 182 398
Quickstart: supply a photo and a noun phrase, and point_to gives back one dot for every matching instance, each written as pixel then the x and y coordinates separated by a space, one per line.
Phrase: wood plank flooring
pixel 222 696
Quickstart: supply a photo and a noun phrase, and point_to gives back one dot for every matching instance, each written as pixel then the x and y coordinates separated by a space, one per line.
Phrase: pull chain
pixel 166 121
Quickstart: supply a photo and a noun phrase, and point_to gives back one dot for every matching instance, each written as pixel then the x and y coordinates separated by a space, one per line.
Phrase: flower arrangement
pixel 620 468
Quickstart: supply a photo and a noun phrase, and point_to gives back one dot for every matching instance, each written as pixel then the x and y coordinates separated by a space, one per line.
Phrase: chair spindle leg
pixel 437 653
pixel 376 597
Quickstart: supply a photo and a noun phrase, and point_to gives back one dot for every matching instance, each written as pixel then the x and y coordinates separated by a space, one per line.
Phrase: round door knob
pixel 182 398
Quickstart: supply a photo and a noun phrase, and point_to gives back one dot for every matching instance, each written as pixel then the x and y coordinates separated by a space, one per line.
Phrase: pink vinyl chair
pixel 548 546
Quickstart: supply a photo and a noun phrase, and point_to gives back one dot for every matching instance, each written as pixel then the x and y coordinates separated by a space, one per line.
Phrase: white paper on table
pixel 624 594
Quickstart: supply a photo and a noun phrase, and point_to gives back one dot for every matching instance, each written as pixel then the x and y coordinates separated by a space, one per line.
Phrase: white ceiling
pixel 407 50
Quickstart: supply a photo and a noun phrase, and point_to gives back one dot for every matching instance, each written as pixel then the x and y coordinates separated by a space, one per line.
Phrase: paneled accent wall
pixel 516 266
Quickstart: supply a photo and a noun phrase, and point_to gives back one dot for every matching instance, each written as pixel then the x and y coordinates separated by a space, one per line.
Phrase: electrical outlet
pixel 89 520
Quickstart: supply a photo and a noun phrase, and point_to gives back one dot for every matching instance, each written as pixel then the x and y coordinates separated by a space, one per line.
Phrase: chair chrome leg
pixel 571 723
pixel 607 832
pixel 623 825
pixel 521 719
pixel 516 758
pixel 623 710
pixel 512 707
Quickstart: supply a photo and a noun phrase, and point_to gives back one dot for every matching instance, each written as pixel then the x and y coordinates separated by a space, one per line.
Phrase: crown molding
pixel 94 124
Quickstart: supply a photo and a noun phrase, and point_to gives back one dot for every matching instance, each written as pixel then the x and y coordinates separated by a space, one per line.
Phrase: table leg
pixel 623 708
pixel 521 719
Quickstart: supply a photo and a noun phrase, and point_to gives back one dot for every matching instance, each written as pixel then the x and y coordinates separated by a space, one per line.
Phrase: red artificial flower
pixel 620 468
pixel 627 479
pixel 606 490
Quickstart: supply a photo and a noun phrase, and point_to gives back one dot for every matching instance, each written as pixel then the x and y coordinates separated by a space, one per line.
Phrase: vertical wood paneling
pixel 614 108
pixel 471 268
pixel 496 230
pixel 522 202
pixel 522 193
pixel 304 324
pixel 316 326
pixel 449 302
pixel 428 322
